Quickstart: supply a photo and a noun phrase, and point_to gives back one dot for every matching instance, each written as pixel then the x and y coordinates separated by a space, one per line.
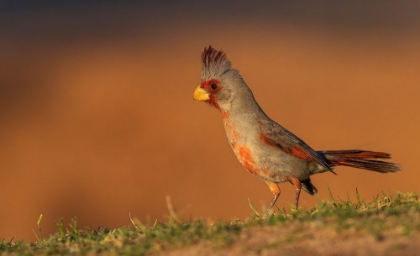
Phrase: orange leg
pixel 275 189
pixel 298 185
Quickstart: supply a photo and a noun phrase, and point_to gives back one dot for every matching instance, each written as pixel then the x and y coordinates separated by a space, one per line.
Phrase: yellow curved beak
pixel 201 94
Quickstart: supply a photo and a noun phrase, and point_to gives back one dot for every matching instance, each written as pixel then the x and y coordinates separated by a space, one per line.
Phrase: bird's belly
pixel 271 165
pixel 281 166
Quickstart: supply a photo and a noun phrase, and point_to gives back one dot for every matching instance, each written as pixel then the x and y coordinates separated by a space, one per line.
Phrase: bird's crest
pixel 213 63
pixel 212 56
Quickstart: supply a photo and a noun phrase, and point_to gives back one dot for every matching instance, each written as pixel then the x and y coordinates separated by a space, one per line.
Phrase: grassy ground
pixel 384 226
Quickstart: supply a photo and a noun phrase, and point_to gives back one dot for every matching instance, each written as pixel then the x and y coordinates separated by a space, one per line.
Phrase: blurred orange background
pixel 97 117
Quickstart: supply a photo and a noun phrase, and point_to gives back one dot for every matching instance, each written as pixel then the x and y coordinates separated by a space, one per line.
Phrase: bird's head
pixel 220 83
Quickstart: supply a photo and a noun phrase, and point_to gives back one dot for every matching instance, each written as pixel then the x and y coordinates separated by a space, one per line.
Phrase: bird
pixel 265 148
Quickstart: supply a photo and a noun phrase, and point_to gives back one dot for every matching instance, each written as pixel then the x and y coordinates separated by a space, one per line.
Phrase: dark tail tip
pixel 309 187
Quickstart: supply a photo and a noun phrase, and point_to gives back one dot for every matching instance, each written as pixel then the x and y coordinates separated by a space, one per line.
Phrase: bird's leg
pixel 298 185
pixel 275 189
pixel 297 197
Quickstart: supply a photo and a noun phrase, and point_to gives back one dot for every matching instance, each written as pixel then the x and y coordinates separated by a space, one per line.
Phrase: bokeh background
pixel 97 119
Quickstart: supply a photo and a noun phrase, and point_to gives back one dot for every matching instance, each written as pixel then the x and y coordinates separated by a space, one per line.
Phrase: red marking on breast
pixel 247 160
pixel 231 132
pixel 225 115
pixel 265 172
pixel 243 153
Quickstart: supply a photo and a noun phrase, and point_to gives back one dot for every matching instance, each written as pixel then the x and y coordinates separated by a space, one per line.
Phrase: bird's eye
pixel 213 86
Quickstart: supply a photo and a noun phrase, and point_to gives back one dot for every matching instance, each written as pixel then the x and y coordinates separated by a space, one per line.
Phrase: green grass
pixel 382 218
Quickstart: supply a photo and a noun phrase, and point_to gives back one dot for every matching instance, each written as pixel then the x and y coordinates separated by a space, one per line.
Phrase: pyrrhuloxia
pixel 262 146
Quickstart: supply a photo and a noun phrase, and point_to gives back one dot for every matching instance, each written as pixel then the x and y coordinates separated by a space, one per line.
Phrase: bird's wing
pixel 277 136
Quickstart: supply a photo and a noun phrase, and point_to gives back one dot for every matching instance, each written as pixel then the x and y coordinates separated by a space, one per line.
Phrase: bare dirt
pixel 307 239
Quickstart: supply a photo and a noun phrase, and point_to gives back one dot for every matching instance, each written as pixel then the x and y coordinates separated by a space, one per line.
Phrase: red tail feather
pixel 360 159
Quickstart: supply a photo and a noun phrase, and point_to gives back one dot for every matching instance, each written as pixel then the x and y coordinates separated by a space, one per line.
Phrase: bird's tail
pixel 361 159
